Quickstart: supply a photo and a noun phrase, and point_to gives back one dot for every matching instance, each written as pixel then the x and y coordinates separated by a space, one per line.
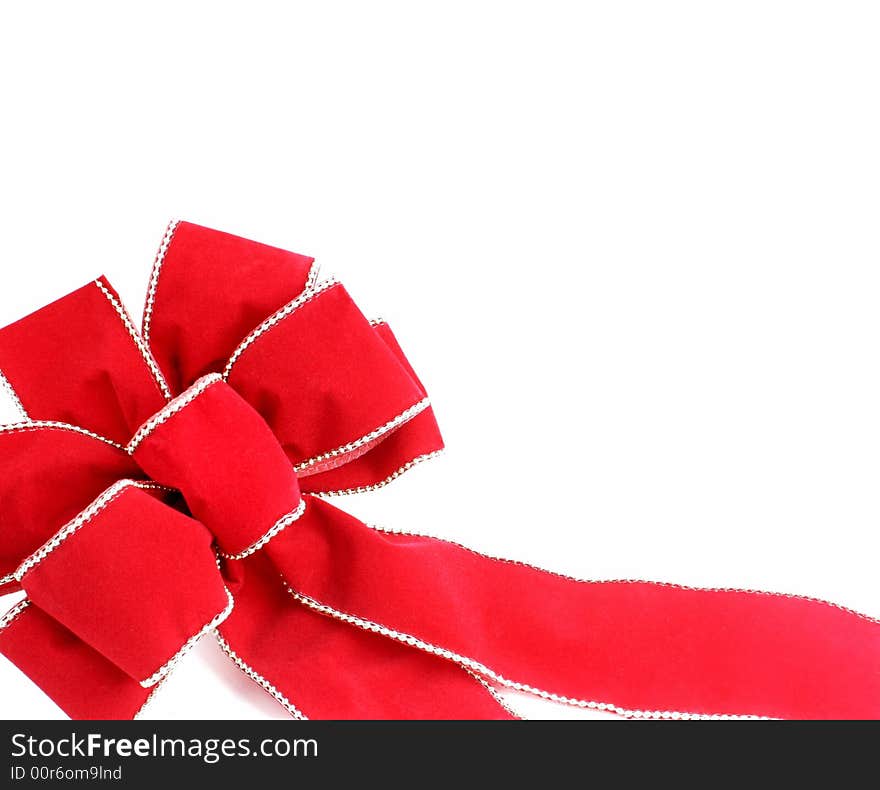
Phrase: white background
pixel 632 249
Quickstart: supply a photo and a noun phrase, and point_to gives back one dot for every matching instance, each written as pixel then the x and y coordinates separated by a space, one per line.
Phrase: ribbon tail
pixel 636 648
pixel 318 667
pixel 79 679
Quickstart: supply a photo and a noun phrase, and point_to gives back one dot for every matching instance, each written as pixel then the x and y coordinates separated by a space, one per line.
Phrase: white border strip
pixel 481 669
pixel 169 665
pixel 279 315
pixel 14 612
pixel 347 452
pixel 170 409
pixel 382 483
pixel 35 425
pixel 154 277
pixel 495 695
pixel 6 385
pixel 150 697
pixel 138 341
pixel 259 679
pixel 83 518
pixel 280 525
pixel 312 278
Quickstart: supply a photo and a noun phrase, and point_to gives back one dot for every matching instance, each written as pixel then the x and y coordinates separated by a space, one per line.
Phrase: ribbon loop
pixel 207 290
pixel 48 473
pixel 80 360
pixel 135 579
pixel 219 453
pixel 345 390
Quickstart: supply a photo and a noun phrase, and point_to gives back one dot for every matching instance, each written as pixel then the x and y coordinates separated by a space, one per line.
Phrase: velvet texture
pixel 164 476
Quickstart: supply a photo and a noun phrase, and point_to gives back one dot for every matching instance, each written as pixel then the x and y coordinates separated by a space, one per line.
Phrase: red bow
pixel 137 521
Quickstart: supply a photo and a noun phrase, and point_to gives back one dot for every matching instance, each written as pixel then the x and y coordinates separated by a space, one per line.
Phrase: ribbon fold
pixel 171 482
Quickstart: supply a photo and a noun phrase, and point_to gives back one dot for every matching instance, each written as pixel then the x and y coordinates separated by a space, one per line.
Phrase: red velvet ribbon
pixel 167 483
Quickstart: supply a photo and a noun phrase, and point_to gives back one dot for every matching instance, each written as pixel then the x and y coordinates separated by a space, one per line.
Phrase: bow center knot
pixel 214 447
